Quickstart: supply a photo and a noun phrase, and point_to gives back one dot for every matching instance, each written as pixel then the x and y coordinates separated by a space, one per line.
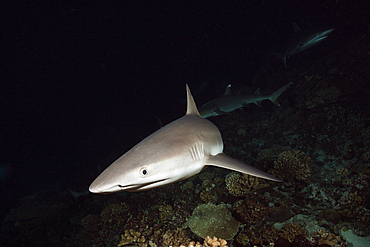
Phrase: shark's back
pixel 179 135
pixel 222 105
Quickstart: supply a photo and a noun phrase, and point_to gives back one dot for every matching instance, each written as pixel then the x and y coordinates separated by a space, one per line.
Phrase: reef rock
pixel 213 220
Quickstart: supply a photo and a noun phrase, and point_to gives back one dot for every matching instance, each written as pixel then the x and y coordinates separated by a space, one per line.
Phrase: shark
pixel 230 102
pixel 303 40
pixel 177 151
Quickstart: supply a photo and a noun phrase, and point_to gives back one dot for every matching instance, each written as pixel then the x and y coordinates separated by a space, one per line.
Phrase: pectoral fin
pixel 224 161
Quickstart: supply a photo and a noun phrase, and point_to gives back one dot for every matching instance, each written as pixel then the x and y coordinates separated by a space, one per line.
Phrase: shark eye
pixel 143 172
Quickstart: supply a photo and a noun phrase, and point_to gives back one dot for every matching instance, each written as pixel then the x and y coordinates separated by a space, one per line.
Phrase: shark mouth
pixel 143 186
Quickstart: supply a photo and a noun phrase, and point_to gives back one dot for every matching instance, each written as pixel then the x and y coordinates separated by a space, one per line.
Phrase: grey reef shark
pixel 304 39
pixel 230 102
pixel 177 151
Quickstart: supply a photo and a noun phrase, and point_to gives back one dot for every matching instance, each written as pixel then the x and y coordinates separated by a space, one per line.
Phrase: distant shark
pixel 303 40
pixel 230 102
pixel 177 151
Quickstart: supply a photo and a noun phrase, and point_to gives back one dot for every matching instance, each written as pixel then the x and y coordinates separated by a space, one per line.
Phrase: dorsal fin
pixel 191 108
pixel 257 92
pixel 228 90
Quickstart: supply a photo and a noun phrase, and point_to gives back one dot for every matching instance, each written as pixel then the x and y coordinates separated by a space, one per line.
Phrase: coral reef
pixel 208 242
pixel 324 96
pixel 292 164
pixel 242 239
pixel 211 187
pixel 215 220
pixel 239 184
pixel 92 223
pixel 323 237
pixel 342 171
pixel 331 215
pixel 132 237
pixel 187 185
pixel 165 212
pixel 175 238
pixel 281 213
pixel 269 234
pixel 289 231
pixel 302 241
pixel 115 212
pixel 272 153
pixel 252 212
pixel 206 197
pixel 256 235
pixel 214 242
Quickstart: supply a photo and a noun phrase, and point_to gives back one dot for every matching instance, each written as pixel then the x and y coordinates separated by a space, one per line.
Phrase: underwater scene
pixel 276 136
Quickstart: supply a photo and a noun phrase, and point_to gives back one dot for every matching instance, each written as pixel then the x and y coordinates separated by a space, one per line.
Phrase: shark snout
pixel 95 188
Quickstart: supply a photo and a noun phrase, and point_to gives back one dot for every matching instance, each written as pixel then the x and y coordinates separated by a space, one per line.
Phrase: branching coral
pixel 289 231
pixel 292 164
pixel 252 212
pixel 205 196
pixel 214 242
pixel 209 219
pixel 131 237
pixel 175 238
pixel 342 171
pixel 323 237
pixel 239 184
pixel 242 239
pixel 257 236
pixel 269 234
pixel 165 212
pixel 208 242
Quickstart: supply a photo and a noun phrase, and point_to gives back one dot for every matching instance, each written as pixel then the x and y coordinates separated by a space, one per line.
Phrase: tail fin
pixel 273 97
pixel 77 194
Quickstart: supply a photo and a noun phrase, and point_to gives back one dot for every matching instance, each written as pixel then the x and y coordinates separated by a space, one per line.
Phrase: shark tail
pixel 273 97
pixel 77 194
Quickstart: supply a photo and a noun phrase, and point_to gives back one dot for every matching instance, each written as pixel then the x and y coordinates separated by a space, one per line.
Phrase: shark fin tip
pixel 191 106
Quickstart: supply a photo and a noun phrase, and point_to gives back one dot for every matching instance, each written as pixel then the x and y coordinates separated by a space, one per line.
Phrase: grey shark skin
pixel 175 152
pixel 303 40
pixel 230 102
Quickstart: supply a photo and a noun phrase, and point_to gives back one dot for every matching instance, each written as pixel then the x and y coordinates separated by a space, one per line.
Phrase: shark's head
pixel 161 158
pixel 124 175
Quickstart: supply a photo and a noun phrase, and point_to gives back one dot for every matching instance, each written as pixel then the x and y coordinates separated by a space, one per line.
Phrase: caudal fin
pixel 273 97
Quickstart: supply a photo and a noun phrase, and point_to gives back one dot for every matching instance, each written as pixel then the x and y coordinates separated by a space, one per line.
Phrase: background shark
pixel 175 152
pixel 303 40
pixel 230 102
